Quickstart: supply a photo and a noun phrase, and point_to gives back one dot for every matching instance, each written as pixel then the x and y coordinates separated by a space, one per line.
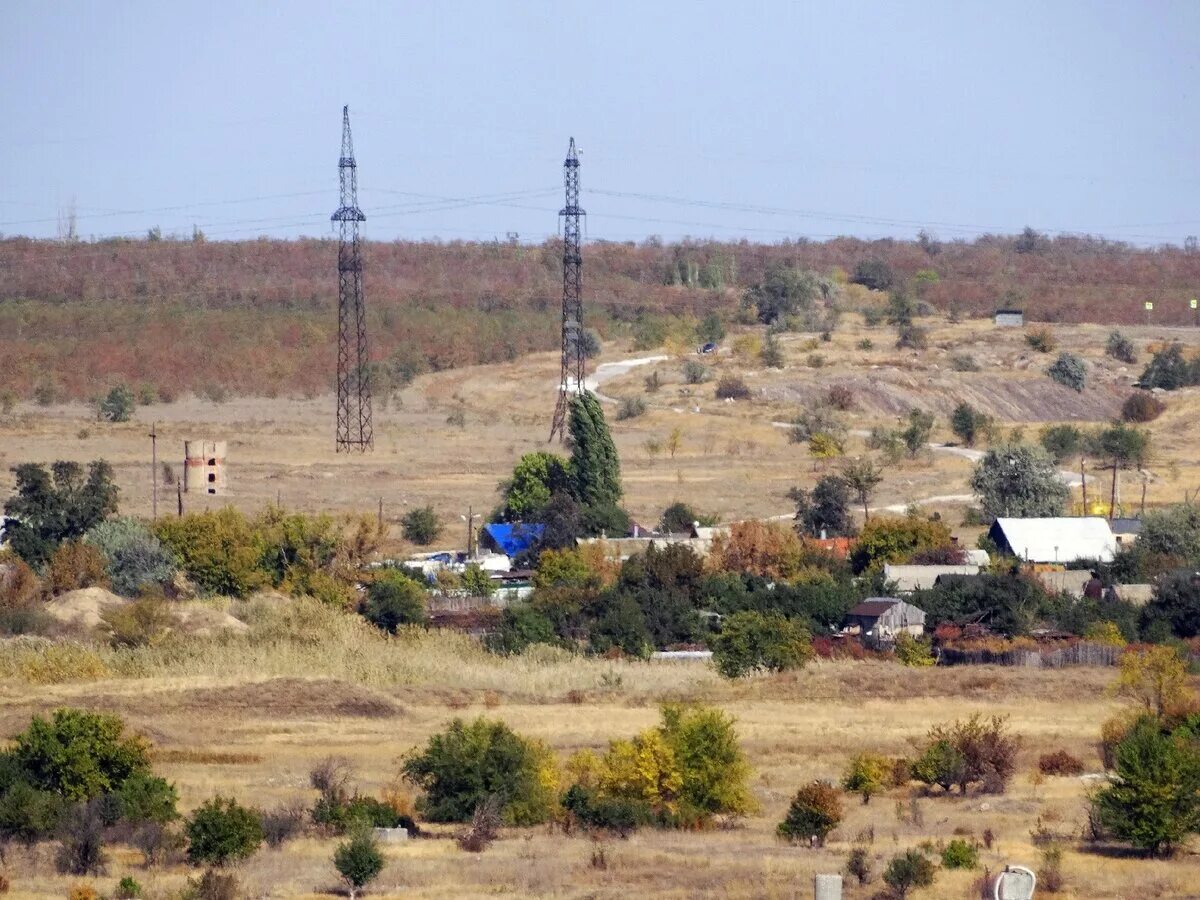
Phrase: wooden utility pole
pixel 1083 483
pixel 379 521
pixel 470 530
pixel 179 498
pixel 154 470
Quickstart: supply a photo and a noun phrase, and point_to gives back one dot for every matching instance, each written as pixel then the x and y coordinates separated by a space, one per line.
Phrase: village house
pixel 878 620
pixel 1060 539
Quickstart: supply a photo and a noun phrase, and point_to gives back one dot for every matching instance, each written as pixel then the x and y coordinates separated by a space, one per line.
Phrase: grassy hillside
pixel 257 317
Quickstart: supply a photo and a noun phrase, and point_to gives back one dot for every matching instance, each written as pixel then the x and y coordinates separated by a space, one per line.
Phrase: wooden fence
pixel 1083 653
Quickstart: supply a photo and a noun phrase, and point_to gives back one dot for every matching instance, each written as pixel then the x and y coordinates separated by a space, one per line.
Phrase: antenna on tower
pixel 354 429
pixel 573 370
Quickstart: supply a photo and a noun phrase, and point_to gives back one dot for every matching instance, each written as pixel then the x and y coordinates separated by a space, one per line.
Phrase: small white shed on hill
pixel 1010 318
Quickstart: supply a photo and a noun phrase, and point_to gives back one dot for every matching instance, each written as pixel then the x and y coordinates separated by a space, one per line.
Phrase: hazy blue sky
pixel 846 118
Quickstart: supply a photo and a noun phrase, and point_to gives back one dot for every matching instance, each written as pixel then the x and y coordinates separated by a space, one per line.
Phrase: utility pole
pixel 1083 483
pixel 570 380
pixel 379 521
pixel 470 532
pixel 354 429
pixel 154 470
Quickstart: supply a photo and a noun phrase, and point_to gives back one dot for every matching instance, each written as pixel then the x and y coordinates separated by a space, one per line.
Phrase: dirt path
pixel 606 372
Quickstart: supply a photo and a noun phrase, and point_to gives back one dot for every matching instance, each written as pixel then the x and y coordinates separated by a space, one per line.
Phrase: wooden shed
pixel 877 620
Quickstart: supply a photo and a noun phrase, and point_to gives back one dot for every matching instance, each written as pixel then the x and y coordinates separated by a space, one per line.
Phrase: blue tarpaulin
pixel 514 539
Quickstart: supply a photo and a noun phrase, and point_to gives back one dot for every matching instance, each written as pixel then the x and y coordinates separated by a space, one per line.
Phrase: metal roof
pixel 916 578
pixel 1060 539
pixel 874 606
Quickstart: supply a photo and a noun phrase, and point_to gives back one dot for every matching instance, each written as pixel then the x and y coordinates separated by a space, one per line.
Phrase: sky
pixel 769 120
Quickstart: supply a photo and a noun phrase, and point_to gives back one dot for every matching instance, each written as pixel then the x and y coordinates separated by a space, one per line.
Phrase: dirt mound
pixel 204 621
pixel 83 607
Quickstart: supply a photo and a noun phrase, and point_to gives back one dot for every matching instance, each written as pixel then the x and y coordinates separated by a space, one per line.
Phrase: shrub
pixel 630 408
pixel 221 551
pixel 912 337
pixel 359 862
pixel 751 640
pixel 421 526
pixel 20 588
pixel 1069 371
pixel 79 755
pixel 911 651
pixel 134 557
pixel 28 814
pixel 814 812
pixel 1042 340
pixel 485 824
pixel 1155 802
pixel 1169 370
pixel 1120 347
pixel 213 885
pixel 969 751
pixel 969 423
pixel 592 809
pixel 858 865
pixel 81 840
pixel 1060 762
pixel 221 831
pixel 82 892
pixel 470 761
pixel 840 397
pixel 393 600
pixel 874 274
pixel 118 405
pixel 75 565
pixel 653 382
pixel 142 623
pixel 907 871
pixel 731 387
pixel 771 353
pixel 964 362
pixel 939 763
pixel 815 360
pixel 283 823
pixel 866 343
pixel 695 372
pixel 128 889
pixel 867 775
pixel 960 854
pixel 146 798
pixel 1142 407
pixel 714 773
pixel 1061 441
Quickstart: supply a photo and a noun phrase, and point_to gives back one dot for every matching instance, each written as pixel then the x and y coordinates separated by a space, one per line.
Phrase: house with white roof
pixel 1061 539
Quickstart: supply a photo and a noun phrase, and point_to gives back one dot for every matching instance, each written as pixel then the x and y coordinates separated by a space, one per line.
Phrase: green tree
pixel 714 771
pixel 79 755
pixel 826 508
pixel 916 435
pixel 477 582
pixel 909 870
pixel 421 526
pixel 711 328
pixel 752 640
pixel 867 775
pixel 901 310
pixel 394 600
pixel 814 812
pixel 863 477
pixel 1173 531
pixel 967 423
pixel 220 550
pixel 677 518
pixel 1062 442
pixel 118 405
pixel 595 466
pixel 1177 602
pixel 1124 447
pixel 1169 370
pixel 221 831
pixel 1018 481
pixel 469 762
pixel 873 273
pixel 359 862
pixel 783 291
pixel 1069 371
pixel 48 507
pixel 771 353
pixel 939 763
pixel 134 556
pixel 1155 802
pixel 894 540
pixel 535 479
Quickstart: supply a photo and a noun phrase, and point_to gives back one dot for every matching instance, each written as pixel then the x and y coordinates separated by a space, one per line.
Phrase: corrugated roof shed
pixel 920 578
pixel 1060 539
pixel 874 606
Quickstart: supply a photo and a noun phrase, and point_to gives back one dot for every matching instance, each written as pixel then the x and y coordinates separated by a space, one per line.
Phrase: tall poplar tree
pixel 595 467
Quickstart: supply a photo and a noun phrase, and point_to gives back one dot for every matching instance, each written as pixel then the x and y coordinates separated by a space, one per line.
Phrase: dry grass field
pixel 732 459
pixel 250 717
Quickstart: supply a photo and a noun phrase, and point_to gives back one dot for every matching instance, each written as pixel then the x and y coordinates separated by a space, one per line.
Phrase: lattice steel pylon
pixel 571 381
pixel 354 429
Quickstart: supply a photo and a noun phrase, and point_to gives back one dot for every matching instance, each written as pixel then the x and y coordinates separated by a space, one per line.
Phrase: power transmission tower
pixel 571 380
pixel 354 430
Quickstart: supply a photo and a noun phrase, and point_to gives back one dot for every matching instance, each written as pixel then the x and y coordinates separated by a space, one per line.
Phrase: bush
pixel 79 755
pixel 695 372
pixel 814 812
pixel 283 823
pixel 964 362
pixel 858 865
pixel 915 652
pixel 134 557
pixel 771 353
pixel 969 751
pixel 214 885
pixel 912 337
pixel 468 762
pixel 81 840
pixel 1060 762
pixel 714 773
pixel 907 871
pixel 874 274
pixel 142 623
pixel 28 814
pixel 359 862
pixel 128 889
pixel 1041 340
pixel 75 565
pixel 421 526
pixel 630 408
pixel 593 809
pixel 960 854
pixel 840 397
pixel 940 764
pixel 1120 347
pixel 118 405
pixel 1061 441
pixel 731 387
pixel 749 641
pixel 221 831
pixel 221 551
pixel 485 824
pixel 393 600
pixel 1169 370
pixel 867 775
pixel 1142 407
pixel 1069 371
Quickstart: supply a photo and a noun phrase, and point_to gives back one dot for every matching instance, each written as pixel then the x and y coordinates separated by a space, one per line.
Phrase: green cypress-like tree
pixel 595 467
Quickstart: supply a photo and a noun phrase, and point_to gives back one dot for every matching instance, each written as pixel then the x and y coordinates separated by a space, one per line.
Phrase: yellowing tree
pixel 1155 677
pixel 769 549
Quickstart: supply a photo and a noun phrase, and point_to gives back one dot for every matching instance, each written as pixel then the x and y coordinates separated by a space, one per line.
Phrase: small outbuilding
pixel 1125 530
pixel 512 540
pixel 878 620
pixel 1061 539
pixel 922 578
pixel 1010 318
